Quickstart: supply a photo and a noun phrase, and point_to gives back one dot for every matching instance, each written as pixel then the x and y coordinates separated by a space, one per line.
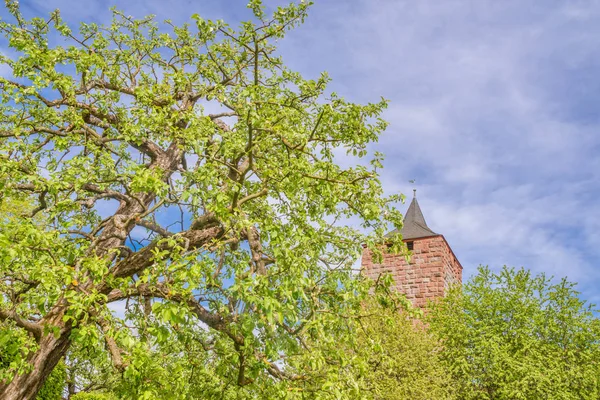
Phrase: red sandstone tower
pixel 432 268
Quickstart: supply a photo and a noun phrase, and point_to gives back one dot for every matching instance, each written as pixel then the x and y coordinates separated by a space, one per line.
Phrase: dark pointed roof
pixel 414 223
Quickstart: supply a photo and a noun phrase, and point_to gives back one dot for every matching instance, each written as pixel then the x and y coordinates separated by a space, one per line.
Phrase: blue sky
pixel 495 111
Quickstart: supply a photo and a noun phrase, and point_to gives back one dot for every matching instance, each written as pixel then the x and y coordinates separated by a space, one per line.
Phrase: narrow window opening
pixel 410 245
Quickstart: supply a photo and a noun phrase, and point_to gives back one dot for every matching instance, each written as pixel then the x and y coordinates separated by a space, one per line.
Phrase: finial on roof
pixel 415 193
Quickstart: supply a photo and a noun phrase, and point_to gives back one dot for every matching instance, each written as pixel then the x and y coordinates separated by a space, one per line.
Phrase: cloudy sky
pixel 494 111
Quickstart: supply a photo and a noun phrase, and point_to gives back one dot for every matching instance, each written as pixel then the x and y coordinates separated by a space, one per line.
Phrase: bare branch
pixel 111 345
pixel 154 227
pixel 203 221
pixel 260 193
pixel 256 249
pixel 90 187
pixel 223 114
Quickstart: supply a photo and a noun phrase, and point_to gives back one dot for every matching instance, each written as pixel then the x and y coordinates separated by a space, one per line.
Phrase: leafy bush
pixel 54 385
pixel 402 358
pixel 391 357
pixel 512 335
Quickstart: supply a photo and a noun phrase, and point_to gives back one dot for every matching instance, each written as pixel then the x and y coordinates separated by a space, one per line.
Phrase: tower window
pixel 410 245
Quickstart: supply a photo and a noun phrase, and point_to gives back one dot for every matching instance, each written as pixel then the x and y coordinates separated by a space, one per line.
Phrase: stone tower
pixel 432 266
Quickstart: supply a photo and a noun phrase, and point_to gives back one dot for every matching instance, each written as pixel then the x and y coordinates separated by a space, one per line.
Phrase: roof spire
pixel 414 222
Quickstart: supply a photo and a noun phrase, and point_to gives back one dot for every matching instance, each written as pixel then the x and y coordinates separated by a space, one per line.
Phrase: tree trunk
pixel 51 349
pixel 43 361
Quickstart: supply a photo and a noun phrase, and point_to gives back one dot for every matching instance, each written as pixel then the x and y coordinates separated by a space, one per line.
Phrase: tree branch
pixel 111 345
pixel 256 249
pixel 154 227
pixel 32 327
pixel 145 257
pixel 162 291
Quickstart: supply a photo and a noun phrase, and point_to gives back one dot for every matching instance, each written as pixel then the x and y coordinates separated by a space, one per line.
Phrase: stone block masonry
pixel 431 269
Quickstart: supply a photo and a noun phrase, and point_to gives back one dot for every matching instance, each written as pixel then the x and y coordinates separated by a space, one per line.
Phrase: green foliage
pixel 402 357
pixel 90 371
pixel 93 396
pixel 200 138
pixel 54 386
pixel 511 335
pixel 15 343
pixel 392 356
pixel 15 346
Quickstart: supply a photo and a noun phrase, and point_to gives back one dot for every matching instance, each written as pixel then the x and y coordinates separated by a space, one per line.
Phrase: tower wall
pixel 432 268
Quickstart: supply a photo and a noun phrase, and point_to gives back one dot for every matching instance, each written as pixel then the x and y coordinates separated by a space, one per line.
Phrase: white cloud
pixel 475 118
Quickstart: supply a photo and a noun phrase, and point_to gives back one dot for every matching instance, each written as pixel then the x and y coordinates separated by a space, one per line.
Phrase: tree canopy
pixel 395 357
pixel 186 176
pixel 514 335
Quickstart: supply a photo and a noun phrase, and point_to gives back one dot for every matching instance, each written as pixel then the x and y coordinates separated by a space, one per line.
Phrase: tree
pixel 393 356
pixel 223 228
pixel 512 335
pixel 402 357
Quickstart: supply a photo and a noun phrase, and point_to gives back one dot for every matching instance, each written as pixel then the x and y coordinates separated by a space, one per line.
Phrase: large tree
pixel 220 232
pixel 514 335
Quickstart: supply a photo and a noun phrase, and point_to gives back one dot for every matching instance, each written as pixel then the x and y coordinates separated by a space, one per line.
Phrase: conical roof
pixel 414 223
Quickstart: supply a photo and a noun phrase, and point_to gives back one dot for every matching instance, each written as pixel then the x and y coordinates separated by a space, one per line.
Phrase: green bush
pixel 512 335
pixel 55 384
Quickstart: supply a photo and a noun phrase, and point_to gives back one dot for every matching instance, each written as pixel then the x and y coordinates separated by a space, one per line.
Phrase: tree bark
pixel 51 350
